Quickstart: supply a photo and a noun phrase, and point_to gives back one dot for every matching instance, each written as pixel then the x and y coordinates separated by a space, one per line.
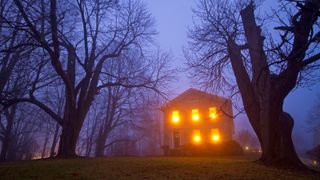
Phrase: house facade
pixel 196 117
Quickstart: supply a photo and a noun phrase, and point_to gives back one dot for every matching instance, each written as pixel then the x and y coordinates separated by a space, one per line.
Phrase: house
pixel 197 118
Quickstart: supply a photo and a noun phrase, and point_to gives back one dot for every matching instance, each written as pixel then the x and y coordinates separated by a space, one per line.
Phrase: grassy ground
pixel 147 168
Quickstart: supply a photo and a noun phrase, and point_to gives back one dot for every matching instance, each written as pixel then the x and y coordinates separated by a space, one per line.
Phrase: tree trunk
pixel 70 132
pixel 54 141
pixel 68 141
pixel 100 144
pixel 5 145
pixel 280 150
pixel 276 135
pixel 7 135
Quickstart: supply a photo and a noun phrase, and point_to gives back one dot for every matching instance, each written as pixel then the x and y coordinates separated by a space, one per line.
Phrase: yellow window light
pixel 175 117
pixel 195 115
pixel 215 136
pixel 213 113
pixel 196 136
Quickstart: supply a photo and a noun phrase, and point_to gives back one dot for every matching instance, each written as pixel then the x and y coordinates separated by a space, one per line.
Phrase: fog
pixel 120 113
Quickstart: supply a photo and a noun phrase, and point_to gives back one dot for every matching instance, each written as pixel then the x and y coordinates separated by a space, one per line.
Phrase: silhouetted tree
pixel 78 38
pixel 24 130
pixel 226 38
pixel 121 102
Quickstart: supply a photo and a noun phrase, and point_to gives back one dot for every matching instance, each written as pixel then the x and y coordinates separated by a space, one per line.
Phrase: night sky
pixel 173 17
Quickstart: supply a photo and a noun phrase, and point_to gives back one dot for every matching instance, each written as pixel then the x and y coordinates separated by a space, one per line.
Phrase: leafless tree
pixel 78 38
pixel 10 57
pixel 22 142
pixel 121 102
pixel 227 40
pixel 90 129
pixel 15 86
pixel 149 125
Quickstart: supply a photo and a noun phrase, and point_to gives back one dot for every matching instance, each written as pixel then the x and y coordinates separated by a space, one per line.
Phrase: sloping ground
pixel 147 168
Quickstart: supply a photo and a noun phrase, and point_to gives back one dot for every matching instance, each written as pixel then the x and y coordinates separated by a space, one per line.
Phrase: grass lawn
pixel 147 168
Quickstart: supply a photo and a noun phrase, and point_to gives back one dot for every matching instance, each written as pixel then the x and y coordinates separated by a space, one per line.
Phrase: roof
pixel 195 93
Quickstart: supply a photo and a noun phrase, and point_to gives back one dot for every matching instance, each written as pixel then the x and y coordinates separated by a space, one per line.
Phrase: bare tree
pixel 148 125
pixel 227 39
pixel 78 38
pixel 14 86
pixel 90 129
pixel 24 129
pixel 10 38
pixel 121 102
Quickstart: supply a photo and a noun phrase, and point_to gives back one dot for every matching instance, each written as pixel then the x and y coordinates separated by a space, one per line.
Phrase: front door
pixel 176 139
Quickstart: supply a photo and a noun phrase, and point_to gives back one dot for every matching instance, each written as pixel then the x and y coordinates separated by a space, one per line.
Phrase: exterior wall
pixel 202 102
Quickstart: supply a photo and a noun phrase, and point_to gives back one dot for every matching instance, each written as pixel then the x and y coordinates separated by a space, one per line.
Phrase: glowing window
pixel 195 115
pixel 213 113
pixel 215 136
pixel 175 117
pixel 196 137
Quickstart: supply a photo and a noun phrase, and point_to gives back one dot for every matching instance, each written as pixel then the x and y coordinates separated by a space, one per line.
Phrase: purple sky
pixel 173 17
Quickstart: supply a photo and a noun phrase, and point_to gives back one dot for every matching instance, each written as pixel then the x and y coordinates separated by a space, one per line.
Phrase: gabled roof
pixel 200 95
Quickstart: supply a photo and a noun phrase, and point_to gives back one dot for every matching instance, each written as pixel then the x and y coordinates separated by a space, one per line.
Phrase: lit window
pixel 175 117
pixel 195 115
pixel 196 136
pixel 213 113
pixel 215 136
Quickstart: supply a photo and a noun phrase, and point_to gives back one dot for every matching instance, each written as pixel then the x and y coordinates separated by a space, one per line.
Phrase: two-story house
pixel 196 118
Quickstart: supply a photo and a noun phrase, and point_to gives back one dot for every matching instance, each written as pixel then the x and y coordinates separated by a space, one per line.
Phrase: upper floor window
pixel 175 117
pixel 213 113
pixel 195 115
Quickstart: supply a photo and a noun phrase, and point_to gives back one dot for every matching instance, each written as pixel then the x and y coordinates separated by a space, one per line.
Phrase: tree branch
pixel 34 101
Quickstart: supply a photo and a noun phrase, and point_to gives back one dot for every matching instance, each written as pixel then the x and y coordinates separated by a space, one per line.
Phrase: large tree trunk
pixel 278 149
pixel 275 129
pixel 68 141
pixel 70 132
pixel 72 124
